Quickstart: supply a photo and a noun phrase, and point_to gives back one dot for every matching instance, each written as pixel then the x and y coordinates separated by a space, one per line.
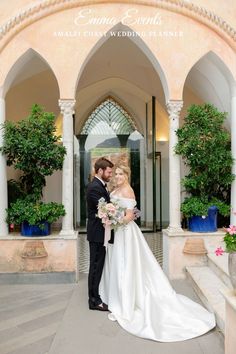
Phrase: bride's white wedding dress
pixel 139 294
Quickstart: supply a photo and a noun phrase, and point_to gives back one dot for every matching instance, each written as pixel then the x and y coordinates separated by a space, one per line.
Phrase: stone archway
pixel 26 83
pixel 174 60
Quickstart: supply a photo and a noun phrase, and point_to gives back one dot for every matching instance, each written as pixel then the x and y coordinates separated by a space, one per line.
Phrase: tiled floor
pixel 55 319
pixel 90 332
pixel 154 241
pixel 30 316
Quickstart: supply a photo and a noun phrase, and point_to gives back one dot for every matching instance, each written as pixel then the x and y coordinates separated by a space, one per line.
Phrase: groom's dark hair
pixel 102 163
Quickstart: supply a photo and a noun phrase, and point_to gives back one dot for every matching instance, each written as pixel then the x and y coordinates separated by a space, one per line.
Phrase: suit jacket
pixel 95 228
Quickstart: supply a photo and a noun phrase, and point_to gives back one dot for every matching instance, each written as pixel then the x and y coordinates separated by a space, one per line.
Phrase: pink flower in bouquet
pixel 111 208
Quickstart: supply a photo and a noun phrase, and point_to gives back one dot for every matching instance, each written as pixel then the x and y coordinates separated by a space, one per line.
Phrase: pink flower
pixel 231 229
pixel 110 207
pixel 219 251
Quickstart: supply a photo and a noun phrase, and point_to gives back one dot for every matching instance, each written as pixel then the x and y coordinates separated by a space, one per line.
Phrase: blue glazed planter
pixel 34 230
pixel 207 224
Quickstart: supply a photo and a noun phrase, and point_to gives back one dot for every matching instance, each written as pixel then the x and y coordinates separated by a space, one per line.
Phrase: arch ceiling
pixel 211 80
pixel 28 64
pixel 143 57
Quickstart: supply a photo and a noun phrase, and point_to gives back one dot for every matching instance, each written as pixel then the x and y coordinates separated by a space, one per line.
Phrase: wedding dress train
pixel 139 294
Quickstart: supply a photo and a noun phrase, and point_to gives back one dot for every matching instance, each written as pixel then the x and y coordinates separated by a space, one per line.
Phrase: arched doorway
pixel 111 131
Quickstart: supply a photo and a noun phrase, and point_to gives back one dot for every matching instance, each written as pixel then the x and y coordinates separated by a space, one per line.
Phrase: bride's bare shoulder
pixel 128 192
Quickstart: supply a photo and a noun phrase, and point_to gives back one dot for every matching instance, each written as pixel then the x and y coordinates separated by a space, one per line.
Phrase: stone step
pixel 208 287
pixel 219 265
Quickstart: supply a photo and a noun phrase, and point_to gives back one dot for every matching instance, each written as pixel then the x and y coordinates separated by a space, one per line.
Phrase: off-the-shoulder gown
pixel 139 294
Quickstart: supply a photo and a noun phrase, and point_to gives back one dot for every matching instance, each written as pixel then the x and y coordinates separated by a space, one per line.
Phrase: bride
pixel 136 289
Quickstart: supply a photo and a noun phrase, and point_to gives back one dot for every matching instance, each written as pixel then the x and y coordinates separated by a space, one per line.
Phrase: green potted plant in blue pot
pixel 205 147
pixel 32 147
pixel 35 218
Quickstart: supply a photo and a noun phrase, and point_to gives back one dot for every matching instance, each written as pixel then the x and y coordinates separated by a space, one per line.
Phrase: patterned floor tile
pixel 154 240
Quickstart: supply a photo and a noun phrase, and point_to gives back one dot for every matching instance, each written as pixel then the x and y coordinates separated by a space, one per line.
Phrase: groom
pixel 95 230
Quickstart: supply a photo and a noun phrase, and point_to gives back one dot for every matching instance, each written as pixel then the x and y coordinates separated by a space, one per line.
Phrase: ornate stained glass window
pixel 109 118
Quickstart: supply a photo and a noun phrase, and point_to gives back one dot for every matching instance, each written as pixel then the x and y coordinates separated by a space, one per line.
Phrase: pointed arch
pixel 109 116
pixel 112 87
pixel 218 61
pixel 212 80
pixel 19 65
pixel 139 42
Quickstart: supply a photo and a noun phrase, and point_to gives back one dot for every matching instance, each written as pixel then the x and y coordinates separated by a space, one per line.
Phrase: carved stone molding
pixel 174 108
pixel 47 7
pixel 67 106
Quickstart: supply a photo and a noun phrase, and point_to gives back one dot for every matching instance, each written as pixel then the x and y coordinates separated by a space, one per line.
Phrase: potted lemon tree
pixel 32 147
pixel 204 145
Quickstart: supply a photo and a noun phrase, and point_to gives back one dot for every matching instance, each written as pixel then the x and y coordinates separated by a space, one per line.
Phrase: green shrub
pixel 31 146
pixel 204 145
pixel 34 213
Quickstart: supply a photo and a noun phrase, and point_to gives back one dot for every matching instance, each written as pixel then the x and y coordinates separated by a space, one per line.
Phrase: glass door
pixel 111 131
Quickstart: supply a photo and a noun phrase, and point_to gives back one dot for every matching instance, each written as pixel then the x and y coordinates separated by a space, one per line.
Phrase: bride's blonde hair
pixel 125 169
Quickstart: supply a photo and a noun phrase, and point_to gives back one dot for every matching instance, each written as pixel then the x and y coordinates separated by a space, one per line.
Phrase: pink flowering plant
pixel 110 213
pixel 230 241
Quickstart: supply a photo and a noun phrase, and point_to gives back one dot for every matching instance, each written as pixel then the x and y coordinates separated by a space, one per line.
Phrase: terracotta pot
pixel 34 249
pixel 34 256
pixel 194 246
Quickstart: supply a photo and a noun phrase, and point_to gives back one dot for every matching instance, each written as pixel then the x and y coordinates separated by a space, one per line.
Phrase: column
pixel 174 108
pixel 233 149
pixel 67 110
pixel 3 177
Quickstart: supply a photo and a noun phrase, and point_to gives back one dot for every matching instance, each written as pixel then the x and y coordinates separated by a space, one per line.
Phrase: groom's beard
pixel 105 178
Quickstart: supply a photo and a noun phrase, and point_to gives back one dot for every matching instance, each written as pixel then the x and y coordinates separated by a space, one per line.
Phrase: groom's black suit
pixel 95 236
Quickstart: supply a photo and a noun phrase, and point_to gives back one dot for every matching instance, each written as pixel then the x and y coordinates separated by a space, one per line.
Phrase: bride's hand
pixel 129 216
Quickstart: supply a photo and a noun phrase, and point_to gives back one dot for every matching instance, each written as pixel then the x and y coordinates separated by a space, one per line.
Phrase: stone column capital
pixel 174 108
pixel 67 106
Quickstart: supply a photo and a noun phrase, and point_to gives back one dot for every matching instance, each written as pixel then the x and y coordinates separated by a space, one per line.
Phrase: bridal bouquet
pixel 110 213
